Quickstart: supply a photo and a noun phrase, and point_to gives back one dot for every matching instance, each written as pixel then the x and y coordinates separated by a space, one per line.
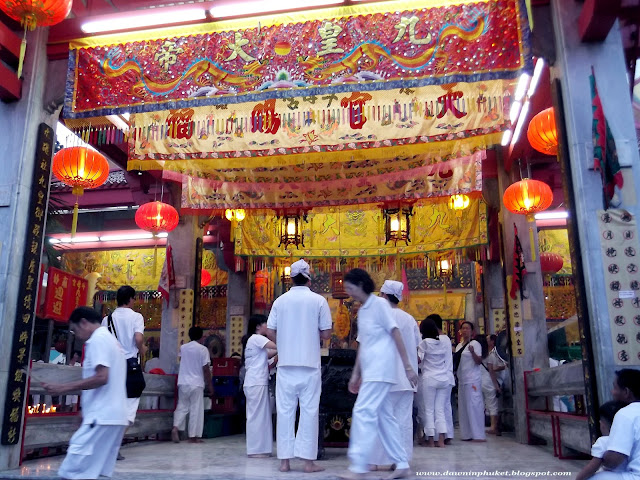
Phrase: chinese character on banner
pixel 264 117
pixel 356 103
pixel 329 33
pixel 64 294
pixel 411 23
pixel 168 55
pixel 180 123
pixel 447 103
pixel 237 50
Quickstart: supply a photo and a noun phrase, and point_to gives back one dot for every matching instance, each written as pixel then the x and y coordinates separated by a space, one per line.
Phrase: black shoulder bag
pixel 457 356
pixel 135 377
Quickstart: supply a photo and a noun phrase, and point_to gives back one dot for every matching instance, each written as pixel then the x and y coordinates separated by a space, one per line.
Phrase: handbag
pixel 135 377
pixel 457 356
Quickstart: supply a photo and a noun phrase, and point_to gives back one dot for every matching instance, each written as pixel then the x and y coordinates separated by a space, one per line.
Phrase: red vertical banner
pixel 65 292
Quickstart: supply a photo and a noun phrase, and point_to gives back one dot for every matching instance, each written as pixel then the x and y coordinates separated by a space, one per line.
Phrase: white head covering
pixel 300 267
pixel 391 287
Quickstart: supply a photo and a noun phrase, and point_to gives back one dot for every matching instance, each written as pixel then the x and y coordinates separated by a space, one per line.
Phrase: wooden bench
pixel 562 429
pixel 55 429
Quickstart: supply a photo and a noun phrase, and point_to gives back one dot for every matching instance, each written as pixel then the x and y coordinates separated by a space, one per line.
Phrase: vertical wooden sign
pixel 25 310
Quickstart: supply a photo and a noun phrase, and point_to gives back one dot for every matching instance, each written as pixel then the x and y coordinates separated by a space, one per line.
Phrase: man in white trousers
pixel 297 323
pixel 402 392
pixel 194 378
pixel 448 411
pixel 374 373
pixel 93 449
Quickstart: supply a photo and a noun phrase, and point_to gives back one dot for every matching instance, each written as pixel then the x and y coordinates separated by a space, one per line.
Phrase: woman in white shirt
pixel 256 353
pixel 470 401
pixel 436 381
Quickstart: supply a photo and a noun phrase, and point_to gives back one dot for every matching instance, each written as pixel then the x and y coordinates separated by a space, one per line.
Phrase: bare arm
pixel 271 335
pixel 411 375
pixel 475 356
pixel 494 378
pixel 274 363
pixel 208 385
pixel 612 460
pixel 100 378
pixel 142 348
pixel 325 334
pixel 589 469
pixel 356 375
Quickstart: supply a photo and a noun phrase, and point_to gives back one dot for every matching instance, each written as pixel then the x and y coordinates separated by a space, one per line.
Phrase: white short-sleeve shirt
pixel 256 361
pixel 411 338
pixel 468 370
pixel 127 323
pixel 193 356
pixel 601 446
pixel 449 359
pixel 378 352
pixel 435 356
pixel 624 436
pixel 298 316
pixel 105 405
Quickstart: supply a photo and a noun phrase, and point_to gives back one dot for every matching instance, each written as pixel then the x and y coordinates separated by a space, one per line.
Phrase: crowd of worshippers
pixel 405 377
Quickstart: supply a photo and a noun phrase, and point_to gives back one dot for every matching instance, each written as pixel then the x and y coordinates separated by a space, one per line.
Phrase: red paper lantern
pixel 205 278
pixel 542 132
pixel 80 168
pixel 156 217
pixel 527 197
pixel 550 263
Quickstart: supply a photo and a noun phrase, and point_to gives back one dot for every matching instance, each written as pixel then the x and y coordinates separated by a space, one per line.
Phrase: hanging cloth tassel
pixel 23 51
pixel 77 191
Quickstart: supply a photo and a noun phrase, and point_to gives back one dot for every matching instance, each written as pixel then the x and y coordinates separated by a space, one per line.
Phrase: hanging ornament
pixel 80 168
pixel 550 263
pixel 458 203
pixel 542 132
pixel 527 197
pixel 35 13
pixel 157 217
pixel 235 216
pixel 205 278
pixel 397 224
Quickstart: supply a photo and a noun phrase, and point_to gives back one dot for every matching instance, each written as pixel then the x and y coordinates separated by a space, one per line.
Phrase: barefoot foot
pixel 284 466
pixel 311 467
pixel 175 435
pixel 259 455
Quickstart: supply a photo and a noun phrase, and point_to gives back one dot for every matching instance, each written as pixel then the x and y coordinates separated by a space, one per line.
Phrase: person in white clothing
pixel 375 372
pixel 93 448
pixel 152 365
pixel 492 369
pixel 607 413
pixel 470 401
pixel 128 327
pixel 402 392
pixel 621 461
pixel 194 378
pixel 257 351
pixel 448 410
pixel 436 379
pixel 299 320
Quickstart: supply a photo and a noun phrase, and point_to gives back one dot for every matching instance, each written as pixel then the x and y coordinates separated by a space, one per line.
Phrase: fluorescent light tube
pixel 521 89
pixel 551 215
pixel 265 6
pixel 537 71
pixel 124 236
pixel 146 19
pixel 506 138
pixel 523 117
pixel 514 111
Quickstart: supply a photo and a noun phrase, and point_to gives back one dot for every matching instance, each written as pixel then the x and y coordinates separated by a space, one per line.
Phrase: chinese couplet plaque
pixel 25 310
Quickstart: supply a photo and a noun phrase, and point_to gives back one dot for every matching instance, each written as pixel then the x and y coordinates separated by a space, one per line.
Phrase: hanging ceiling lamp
pixel 205 277
pixel 235 214
pixel 542 132
pixel 337 286
pixel 291 229
pixel 458 203
pixel 35 13
pixel 445 268
pixel 80 168
pixel 527 197
pixel 157 217
pixel 397 224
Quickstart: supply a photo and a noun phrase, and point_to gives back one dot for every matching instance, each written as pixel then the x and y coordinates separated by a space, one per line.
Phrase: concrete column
pixel 18 131
pixel 572 68
pixel 533 319
pixel 494 296
pixel 238 303
pixel 183 244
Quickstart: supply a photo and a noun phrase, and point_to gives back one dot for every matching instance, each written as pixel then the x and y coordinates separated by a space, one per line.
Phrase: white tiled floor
pixel 225 458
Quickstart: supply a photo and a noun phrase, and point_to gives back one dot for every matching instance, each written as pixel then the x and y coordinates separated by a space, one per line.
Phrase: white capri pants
pixel 436 397
pixel 191 402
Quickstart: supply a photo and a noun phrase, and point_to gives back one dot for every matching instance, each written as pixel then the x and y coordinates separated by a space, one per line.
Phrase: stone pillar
pixel 183 245
pixel 573 67
pixel 494 295
pixel 238 303
pixel 532 315
pixel 18 131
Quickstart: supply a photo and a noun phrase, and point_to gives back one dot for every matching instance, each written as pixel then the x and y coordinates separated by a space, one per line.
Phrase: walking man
pixel 298 321
pixel 94 447
pixel 402 392
pixel 194 378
